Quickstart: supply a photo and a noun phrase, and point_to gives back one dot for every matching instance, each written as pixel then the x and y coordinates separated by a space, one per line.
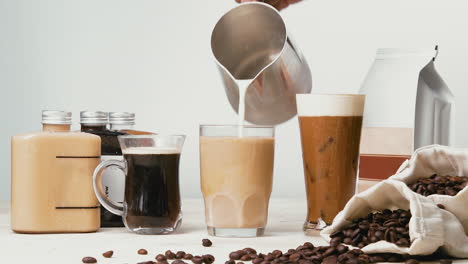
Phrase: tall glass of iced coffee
pixel 236 169
pixel 330 127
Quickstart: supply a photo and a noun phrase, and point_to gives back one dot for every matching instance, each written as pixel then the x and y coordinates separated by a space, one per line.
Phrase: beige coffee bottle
pixel 51 178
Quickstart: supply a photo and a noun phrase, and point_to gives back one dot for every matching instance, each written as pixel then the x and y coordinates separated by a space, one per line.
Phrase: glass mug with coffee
pixel 330 127
pixel 152 197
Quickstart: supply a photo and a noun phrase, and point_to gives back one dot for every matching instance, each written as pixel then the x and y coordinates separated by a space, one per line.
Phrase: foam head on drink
pixel 330 133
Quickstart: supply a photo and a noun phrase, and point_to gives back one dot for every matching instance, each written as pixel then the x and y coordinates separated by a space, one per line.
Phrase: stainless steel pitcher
pixel 251 42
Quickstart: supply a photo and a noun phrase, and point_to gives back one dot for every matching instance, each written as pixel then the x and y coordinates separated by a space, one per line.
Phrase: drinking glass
pixel 330 127
pixel 152 198
pixel 236 169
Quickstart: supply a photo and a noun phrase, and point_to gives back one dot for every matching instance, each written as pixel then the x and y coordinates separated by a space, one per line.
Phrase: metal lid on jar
pixel 121 118
pixel 56 117
pixel 94 117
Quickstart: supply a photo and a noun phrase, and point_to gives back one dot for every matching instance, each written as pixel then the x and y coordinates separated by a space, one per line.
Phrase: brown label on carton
pixel 379 167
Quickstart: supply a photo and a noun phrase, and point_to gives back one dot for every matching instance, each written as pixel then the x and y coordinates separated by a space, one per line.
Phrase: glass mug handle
pixel 110 205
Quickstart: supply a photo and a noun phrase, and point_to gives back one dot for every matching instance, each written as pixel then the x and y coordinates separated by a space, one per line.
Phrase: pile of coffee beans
pixel 448 185
pixel 309 254
pixel 388 225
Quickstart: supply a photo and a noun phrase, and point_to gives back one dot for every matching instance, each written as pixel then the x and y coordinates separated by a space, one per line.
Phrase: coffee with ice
pixel 330 133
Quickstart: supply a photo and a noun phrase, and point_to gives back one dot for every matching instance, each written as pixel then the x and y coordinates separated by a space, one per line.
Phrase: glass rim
pixel 227 125
pixel 151 136
pixel 331 94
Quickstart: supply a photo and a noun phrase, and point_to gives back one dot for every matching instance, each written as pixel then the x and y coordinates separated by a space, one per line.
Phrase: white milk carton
pixel 408 106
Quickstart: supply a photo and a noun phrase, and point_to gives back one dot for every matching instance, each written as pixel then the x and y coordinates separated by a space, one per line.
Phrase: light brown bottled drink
pixel 51 188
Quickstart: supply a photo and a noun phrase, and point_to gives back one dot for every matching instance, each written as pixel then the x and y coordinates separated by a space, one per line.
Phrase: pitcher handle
pixel 111 206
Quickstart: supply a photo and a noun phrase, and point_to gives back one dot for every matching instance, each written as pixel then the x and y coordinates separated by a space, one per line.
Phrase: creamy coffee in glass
pixel 236 178
pixel 330 127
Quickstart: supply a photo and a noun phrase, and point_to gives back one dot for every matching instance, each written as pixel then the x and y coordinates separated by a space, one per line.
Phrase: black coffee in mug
pixel 152 196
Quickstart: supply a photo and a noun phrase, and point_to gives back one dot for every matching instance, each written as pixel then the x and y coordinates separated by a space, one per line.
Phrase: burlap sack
pixel 429 226
pixel 443 161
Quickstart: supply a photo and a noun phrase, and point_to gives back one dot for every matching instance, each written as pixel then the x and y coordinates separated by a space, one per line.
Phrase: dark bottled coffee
pixel 152 196
pixel 95 122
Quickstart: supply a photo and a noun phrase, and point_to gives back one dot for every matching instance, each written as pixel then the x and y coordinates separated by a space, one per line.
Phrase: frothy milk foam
pixel 150 150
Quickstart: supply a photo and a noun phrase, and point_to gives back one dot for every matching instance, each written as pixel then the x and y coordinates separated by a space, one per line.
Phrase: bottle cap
pixel 121 118
pixel 94 117
pixel 56 117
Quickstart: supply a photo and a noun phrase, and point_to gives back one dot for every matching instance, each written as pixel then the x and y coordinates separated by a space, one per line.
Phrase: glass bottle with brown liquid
pixel 95 122
pixel 51 178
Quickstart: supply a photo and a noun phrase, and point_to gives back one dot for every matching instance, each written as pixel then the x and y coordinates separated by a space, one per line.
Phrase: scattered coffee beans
pixel 307 253
pixel 388 225
pixel 206 242
pixel 448 185
pixel 89 260
pixel 108 254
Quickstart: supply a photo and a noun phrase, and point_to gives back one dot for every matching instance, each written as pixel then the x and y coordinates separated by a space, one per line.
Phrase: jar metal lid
pixel 121 118
pixel 94 117
pixel 56 117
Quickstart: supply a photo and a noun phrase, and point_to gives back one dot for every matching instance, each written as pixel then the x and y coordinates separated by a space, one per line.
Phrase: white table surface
pixel 284 231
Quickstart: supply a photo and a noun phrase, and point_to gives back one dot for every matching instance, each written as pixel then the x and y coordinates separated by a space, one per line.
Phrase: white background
pixel 153 57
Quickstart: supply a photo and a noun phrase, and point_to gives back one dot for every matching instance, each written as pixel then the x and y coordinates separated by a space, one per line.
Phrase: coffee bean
pixel 330 260
pixel 197 260
pixel 250 250
pixel 142 251
pixel 169 254
pixel 240 262
pixel 178 261
pixel 230 262
pixel 335 241
pixel 206 242
pixel 208 259
pixel 445 261
pixel 246 258
pixel 146 262
pixel 277 253
pixel 188 257
pixel 108 254
pixel 234 256
pixel 441 206
pixel 89 260
pixel 257 261
pixel 161 257
pixel 411 261
pixel 295 257
pixel 179 254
